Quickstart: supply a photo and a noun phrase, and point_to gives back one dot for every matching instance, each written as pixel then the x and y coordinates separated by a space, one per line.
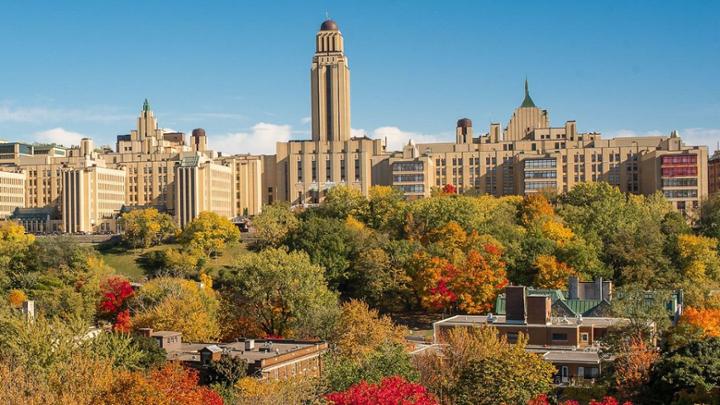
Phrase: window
pixel 407 166
pixel 584 337
pixel 679 160
pixel 299 170
pixel 512 337
pixel 559 337
pixel 314 170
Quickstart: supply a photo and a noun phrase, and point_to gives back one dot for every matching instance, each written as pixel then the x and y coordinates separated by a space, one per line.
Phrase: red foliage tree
pixel 115 292
pixel 180 386
pixel 390 391
pixel 122 321
pixel 449 189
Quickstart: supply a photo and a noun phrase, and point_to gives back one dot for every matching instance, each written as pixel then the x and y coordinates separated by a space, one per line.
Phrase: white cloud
pixel 305 120
pixel 690 136
pixel 260 139
pixel 9 113
pixel 59 136
pixel 625 133
pixel 701 136
pixel 397 138
pixel 357 132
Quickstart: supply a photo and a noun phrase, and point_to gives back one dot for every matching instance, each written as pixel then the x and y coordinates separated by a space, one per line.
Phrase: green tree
pixel 343 201
pixel 274 224
pixel 709 222
pixel 389 359
pixel 386 208
pixel 281 292
pixel 328 243
pixel 691 369
pixel 208 233
pixel 227 371
pixel 146 227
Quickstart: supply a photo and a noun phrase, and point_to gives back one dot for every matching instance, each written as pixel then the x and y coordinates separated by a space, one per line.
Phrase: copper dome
pixel 198 132
pixel 329 25
pixel 464 123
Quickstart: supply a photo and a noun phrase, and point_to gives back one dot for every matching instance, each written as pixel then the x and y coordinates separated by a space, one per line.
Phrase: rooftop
pixel 470 320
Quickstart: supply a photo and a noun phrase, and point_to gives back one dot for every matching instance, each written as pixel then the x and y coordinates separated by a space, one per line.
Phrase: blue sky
pixel 241 70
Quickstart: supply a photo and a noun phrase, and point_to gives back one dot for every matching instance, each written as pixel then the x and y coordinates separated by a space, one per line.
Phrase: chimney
pixel 147 332
pixel 607 290
pixel 538 309
pixel 515 304
pixel 598 290
pixel 573 288
pixel 249 344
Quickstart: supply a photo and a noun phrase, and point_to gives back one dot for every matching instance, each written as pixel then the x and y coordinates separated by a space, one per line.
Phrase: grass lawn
pixel 127 262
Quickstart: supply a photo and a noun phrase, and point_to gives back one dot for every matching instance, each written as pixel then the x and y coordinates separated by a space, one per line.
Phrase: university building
pixel 154 167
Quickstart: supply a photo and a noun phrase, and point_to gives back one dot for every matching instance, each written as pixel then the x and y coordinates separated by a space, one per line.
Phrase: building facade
pixel 12 192
pixel 527 155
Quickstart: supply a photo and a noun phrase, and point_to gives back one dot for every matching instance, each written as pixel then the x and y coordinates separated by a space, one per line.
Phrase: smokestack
pixel 515 304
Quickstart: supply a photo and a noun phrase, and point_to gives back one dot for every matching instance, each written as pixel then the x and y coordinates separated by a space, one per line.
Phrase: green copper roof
pixel 527 102
pixel 146 105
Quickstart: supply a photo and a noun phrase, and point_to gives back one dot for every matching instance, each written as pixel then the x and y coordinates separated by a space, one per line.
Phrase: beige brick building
pixel 12 192
pixel 527 155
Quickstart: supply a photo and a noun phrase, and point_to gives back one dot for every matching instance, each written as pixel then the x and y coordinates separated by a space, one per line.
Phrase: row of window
pixel 680 182
pixel 679 160
pixel 679 171
pixel 680 193
pixel 540 163
pixel 406 178
pixel 408 166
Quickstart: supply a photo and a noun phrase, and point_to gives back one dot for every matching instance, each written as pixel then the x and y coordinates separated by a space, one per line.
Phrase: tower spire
pixel 146 106
pixel 527 102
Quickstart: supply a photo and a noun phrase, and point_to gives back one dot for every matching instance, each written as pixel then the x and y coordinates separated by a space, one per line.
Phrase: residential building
pixel 569 343
pixel 273 359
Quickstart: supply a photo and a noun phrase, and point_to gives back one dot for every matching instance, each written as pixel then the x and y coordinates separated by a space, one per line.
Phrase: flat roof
pixel 500 320
pixel 271 348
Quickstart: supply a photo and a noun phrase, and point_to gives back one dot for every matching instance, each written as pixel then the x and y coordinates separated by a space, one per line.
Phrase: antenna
pixel 327 16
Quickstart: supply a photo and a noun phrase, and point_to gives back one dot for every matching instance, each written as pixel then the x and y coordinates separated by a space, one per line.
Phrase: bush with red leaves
pixel 390 391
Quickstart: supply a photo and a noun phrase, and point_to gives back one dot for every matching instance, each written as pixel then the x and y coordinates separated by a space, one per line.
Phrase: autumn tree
pixel 552 273
pixel 146 227
pixel 707 320
pixel 699 267
pixel 209 233
pixel 361 330
pixel 470 285
pixel 274 224
pixel 343 201
pixel 632 366
pixel 115 291
pixel 389 391
pixel 282 292
pixel 477 366
pixel 14 248
pixel 179 305
pixel 16 298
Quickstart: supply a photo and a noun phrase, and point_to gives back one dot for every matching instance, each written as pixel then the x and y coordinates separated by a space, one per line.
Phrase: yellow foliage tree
pixel 362 330
pixel 146 227
pixel 552 273
pixel 209 233
pixel 699 267
pixel 179 305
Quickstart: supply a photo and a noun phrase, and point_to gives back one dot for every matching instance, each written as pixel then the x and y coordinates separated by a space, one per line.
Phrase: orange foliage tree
pixel 469 285
pixel 552 273
pixel 706 320
pixel 633 364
